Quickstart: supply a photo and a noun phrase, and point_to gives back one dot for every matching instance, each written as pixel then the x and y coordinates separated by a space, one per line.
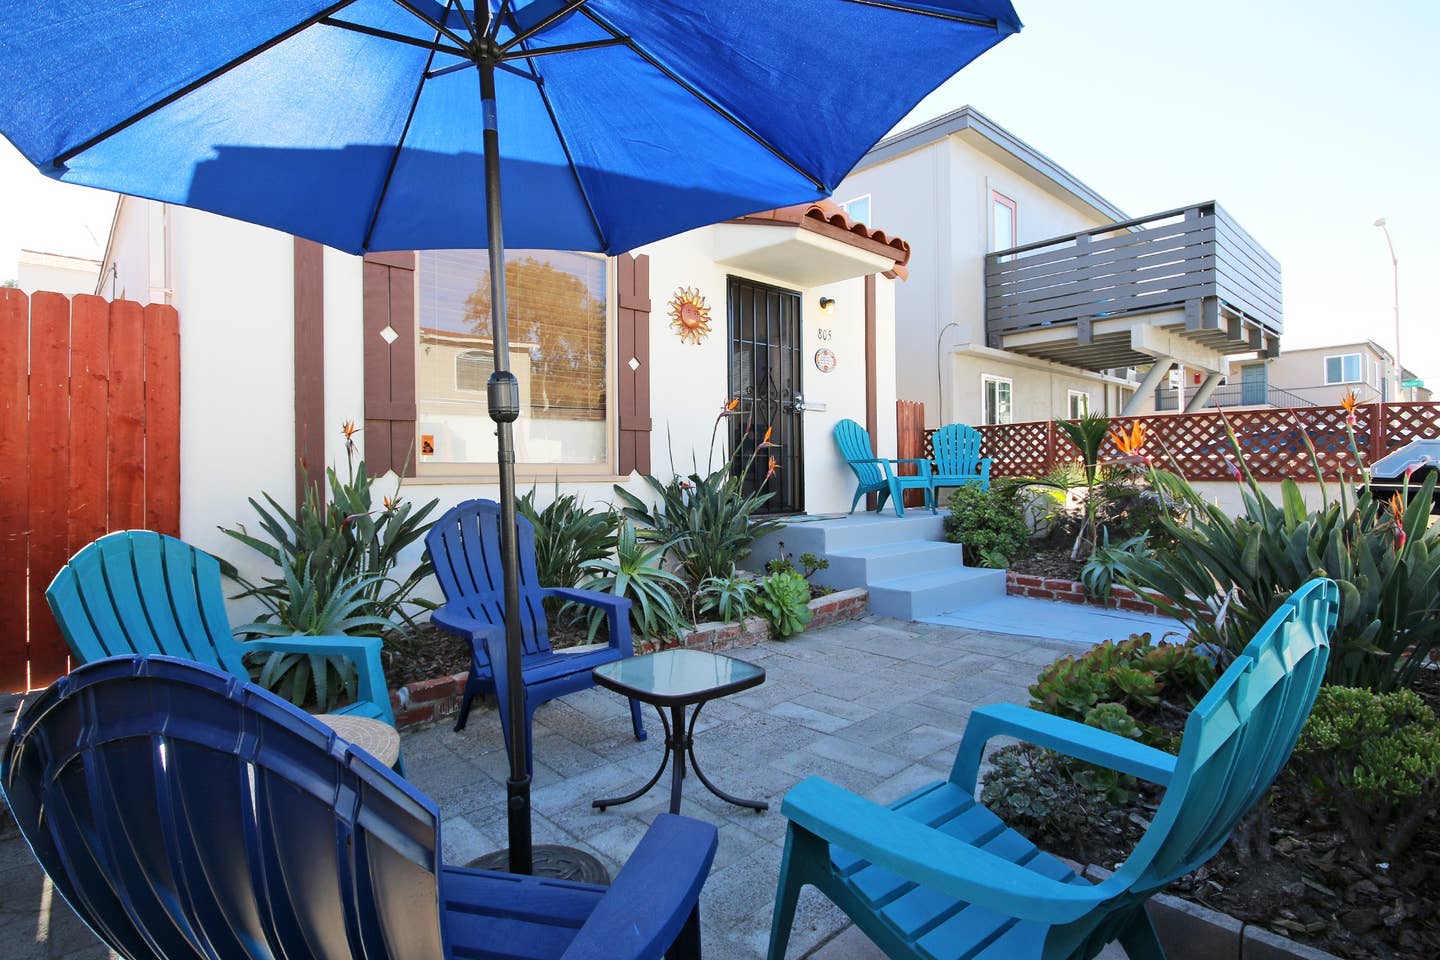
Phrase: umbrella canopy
pixel 358 123
pixel 375 125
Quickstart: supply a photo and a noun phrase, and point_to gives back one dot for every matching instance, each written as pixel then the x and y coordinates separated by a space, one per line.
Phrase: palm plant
pixel 1088 435
pixel 635 573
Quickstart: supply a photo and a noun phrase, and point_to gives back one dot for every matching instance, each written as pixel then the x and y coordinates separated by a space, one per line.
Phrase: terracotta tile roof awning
pixel 828 220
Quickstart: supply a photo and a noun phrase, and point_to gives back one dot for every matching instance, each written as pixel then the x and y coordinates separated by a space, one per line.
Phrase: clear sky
pixel 1305 120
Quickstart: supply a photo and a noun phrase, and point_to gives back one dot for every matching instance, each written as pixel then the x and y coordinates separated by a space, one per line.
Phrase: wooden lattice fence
pixel 1273 440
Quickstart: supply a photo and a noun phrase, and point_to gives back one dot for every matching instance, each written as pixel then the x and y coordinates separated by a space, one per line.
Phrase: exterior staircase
pixel 905 563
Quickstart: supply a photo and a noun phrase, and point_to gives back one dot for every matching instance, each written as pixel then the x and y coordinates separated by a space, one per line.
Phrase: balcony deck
pixel 1188 283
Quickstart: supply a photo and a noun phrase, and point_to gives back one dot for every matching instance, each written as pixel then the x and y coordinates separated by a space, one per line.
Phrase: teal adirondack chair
pixel 875 475
pixel 937 875
pixel 957 458
pixel 142 592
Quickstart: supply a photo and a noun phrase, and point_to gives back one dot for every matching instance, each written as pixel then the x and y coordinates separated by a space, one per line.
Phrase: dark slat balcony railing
pixel 1194 257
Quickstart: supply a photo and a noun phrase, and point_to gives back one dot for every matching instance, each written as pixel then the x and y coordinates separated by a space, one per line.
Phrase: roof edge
pixel 968 118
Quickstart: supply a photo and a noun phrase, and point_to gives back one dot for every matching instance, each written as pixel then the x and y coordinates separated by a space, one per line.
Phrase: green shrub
pixel 567 536
pixel 986 521
pixel 1224 576
pixel 635 574
pixel 732 599
pixel 1374 760
pixel 784 600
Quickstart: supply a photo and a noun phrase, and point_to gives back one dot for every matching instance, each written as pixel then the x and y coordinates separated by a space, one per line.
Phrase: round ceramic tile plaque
pixel 825 360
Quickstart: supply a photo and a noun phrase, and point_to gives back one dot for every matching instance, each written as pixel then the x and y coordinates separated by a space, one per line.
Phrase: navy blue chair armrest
pixel 658 888
pixel 617 611
pixel 476 632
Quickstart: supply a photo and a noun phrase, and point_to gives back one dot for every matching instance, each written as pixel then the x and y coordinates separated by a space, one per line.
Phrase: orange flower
pixel 391 502
pixel 1350 402
pixel 726 408
pixel 1129 444
pixel 1397 513
pixel 774 466
pixel 766 441
pixel 348 429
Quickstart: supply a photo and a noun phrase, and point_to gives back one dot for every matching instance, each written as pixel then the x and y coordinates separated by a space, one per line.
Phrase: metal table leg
pixel 664 762
pixel 759 806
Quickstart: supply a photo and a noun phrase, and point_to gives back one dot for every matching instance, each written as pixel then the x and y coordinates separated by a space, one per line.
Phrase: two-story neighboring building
pixel 1307 376
pixel 1035 297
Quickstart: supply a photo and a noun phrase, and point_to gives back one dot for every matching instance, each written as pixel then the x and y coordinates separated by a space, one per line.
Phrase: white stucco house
pixel 1034 297
pixel 282 340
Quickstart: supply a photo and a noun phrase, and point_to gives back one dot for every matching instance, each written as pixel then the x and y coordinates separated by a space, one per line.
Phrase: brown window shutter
pixel 389 304
pixel 632 298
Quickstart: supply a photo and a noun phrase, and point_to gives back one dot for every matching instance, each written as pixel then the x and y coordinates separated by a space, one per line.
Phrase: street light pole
pixel 1395 274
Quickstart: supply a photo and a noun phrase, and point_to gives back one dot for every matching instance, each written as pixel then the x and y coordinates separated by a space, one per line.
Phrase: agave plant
pixel 341 540
pixel 567 536
pixel 1224 576
pixel 635 573
pixel 312 608
pixel 732 599
pixel 706 520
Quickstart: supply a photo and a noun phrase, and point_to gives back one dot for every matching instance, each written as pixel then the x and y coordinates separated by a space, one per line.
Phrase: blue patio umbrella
pixel 375 125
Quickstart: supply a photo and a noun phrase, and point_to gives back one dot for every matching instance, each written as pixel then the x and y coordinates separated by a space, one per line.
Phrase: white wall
pixel 937 197
pixel 55 274
pixel 233 286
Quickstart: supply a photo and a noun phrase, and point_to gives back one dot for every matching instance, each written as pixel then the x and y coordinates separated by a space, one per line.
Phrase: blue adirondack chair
pixel 937 875
pixel 876 475
pixel 186 815
pixel 137 591
pixel 957 458
pixel 464 546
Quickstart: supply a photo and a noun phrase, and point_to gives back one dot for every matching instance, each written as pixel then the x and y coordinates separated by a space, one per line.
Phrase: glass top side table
pixel 674 680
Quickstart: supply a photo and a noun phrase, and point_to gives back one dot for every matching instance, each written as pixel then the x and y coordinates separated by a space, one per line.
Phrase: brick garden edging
pixel 1073 591
pixel 426 701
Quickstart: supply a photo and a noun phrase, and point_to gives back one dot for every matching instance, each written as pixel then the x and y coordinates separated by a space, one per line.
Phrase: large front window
pixel 559 315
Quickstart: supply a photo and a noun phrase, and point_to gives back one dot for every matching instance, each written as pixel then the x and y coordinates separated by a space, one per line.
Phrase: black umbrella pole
pixel 504 400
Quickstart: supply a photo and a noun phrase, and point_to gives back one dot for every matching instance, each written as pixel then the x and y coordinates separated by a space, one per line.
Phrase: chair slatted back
pixel 185 813
pixel 464 546
pixel 137 591
pixel 1239 737
pixel 957 450
pixel 854 443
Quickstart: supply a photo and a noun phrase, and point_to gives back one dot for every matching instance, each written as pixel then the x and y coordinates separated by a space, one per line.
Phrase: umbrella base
pixel 553 861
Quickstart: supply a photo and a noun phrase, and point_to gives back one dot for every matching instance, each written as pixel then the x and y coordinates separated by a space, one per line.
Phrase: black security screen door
pixel 765 375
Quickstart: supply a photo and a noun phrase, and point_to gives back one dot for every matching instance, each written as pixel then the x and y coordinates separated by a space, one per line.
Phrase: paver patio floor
pixel 877 706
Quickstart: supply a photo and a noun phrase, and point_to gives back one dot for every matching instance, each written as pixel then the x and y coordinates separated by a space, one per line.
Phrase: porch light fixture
pixel 827 305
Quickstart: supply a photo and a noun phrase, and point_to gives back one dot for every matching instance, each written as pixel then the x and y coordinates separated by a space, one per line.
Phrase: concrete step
pixel 935 592
pixel 889 561
pixel 854 532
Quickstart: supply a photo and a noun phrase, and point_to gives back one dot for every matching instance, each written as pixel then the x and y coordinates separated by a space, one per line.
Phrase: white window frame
pixel 869 209
pixel 1342 357
pixel 603 471
pixel 985 380
pixel 1070 397
pixel 1005 200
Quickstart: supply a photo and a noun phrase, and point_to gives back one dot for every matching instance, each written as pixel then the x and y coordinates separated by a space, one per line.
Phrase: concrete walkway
pixel 876 706
pixel 1074 622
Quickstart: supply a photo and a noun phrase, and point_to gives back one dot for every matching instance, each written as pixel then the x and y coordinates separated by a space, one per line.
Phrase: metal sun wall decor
pixel 690 315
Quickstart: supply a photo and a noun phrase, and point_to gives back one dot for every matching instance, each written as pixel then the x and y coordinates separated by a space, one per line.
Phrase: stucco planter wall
pixel 1073 591
pixel 427 701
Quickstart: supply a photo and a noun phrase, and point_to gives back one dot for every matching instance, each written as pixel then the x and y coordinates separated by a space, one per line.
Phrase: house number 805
pixel 822 334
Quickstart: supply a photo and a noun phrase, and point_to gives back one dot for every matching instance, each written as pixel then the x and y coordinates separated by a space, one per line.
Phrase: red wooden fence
pixel 89 443
pixel 910 442
pixel 1272 440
